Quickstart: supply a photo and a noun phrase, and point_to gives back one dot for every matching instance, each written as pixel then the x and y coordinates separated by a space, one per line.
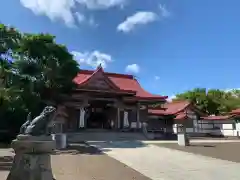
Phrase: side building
pixel 173 113
pixel 167 118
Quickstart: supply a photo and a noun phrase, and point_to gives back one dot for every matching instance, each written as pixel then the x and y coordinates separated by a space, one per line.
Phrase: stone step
pixel 104 136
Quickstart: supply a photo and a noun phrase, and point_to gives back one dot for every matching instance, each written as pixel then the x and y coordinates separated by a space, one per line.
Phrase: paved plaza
pixel 80 162
pixel 160 163
pixel 229 152
pixel 132 160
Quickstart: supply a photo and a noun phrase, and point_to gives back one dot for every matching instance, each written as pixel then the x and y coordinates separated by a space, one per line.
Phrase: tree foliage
pixel 212 101
pixel 34 69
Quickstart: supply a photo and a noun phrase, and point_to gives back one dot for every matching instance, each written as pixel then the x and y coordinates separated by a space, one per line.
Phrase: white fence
pixel 213 129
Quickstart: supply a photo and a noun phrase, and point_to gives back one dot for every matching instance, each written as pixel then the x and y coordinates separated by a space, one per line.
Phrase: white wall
pixel 238 126
pixel 225 128
pixel 221 127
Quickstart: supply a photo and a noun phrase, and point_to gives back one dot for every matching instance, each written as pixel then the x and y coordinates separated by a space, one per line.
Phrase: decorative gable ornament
pixel 98 80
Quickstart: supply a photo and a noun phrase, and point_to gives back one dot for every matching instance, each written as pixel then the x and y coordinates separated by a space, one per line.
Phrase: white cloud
pixel 80 17
pixel 132 68
pixel 84 20
pixel 163 11
pixel 63 9
pixel 139 18
pixel 92 59
pixel 231 89
pixel 102 4
pixel 92 22
pixel 170 98
pixel 79 56
pixel 54 9
pixel 156 78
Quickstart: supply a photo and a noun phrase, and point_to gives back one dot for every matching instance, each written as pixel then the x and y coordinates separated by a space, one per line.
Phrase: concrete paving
pixel 159 163
pixel 79 162
pixel 194 141
pixel 175 141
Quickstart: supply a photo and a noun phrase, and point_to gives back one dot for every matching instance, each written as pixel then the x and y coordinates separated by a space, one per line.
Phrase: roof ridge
pixel 125 82
pixel 85 71
pixel 178 101
pixel 100 70
pixel 146 90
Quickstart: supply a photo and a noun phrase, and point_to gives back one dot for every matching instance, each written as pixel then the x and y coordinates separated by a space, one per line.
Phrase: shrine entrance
pixel 98 115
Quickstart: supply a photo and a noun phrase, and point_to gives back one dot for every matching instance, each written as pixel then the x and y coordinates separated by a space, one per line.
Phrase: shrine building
pixel 117 102
pixel 105 100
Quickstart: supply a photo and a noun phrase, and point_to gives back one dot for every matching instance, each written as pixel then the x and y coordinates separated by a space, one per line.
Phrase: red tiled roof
pixel 216 118
pixel 181 116
pixel 235 111
pixel 158 112
pixel 171 108
pixel 122 81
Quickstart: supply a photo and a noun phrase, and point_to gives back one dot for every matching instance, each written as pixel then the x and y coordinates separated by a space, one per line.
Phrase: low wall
pixel 224 130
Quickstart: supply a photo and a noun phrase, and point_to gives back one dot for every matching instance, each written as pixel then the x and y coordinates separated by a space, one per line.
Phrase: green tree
pixel 9 42
pixel 34 69
pixel 49 65
pixel 196 96
pixel 212 101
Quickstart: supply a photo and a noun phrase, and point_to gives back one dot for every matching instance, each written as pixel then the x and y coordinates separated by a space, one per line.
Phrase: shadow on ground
pixel 6 163
pixel 108 145
pixel 98 148
pixel 201 145
pixel 79 148
pixel 224 151
pixel 165 136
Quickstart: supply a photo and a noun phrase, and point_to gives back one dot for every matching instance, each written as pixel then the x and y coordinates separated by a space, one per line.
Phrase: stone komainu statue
pixel 24 126
pixel 38 126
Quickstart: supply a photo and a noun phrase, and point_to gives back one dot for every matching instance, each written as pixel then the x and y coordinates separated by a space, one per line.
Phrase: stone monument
pixel 58 127
pixel 182 136
pixel 33 148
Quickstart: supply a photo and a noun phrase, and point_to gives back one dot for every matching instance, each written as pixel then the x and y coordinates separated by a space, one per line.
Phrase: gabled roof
pixel 123 82
pixel 235 111
pixel 99 72
pixel 181 116
pixel 171 108
pixel 216 118
pixel 233 114
pixel 175 108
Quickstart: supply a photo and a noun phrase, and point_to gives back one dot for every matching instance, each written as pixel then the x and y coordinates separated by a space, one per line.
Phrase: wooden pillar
pixel 82 114
pixel 118 105
pixel 138 116
pixel 118 117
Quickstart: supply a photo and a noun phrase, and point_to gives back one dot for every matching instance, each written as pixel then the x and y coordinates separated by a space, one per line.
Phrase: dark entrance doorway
pixel 98 115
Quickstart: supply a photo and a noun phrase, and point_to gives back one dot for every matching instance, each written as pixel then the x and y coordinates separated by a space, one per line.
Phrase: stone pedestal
pixel 32 158
pixel 60 139
pixel 183 139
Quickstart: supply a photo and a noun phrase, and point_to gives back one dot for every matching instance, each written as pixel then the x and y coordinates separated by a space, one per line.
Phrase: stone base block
pixel 32 160
pixel 32 144
pixel 183 139
pixel 31 167
pixel 61 140
pixel 23 137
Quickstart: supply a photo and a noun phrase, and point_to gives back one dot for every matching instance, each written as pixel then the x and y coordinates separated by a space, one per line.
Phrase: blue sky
pixel 170 45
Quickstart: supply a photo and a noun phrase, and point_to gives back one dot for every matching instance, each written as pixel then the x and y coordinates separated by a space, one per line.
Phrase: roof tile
pixel 123 81
pixel 181 116
pixel 216 118
pixel 235 111
pixel 171 108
